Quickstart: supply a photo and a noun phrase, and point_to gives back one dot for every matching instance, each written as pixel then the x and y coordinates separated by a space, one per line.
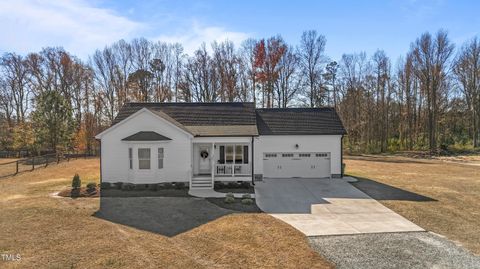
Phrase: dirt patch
pixel 12 197
pixel 437 195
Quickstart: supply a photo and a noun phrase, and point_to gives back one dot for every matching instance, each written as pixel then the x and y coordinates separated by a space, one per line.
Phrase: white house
pixel 199 143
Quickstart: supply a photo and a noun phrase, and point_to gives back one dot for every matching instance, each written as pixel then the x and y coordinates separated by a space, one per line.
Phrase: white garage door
pixel 294 164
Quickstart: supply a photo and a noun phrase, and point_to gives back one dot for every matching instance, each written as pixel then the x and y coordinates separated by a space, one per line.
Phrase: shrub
pixel 232 185
pixel 140 187
pixel 247 201
pixel 179 185
pixel 219 185
pixel 118 185
pixel 128 186
pixel 167 185
pixel 247 196
pixel 91 186
pixel 75 193
pixel 153 187
pixel 229 200
pixel 245 184
pixel 76 182
pixel 229 195
pixel 105 185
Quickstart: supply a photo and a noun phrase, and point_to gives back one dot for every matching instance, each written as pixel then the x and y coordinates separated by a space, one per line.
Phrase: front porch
pixel 221 160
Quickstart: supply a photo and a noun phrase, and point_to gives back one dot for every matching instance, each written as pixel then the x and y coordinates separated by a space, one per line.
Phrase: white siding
pixel 177 152
pixel 306 143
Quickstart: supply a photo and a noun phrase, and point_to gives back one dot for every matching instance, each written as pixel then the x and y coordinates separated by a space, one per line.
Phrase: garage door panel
pixel 289 164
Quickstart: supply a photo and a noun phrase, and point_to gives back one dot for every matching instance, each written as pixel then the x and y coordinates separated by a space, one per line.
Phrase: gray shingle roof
pixel 299 121
pixel 216 119
pixel 146 136
pixel 197 114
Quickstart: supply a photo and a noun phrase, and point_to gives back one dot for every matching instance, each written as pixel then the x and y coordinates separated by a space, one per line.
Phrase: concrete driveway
pixel 327 207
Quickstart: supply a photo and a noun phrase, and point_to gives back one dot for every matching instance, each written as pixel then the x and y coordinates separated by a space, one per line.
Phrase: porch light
pixel 296 146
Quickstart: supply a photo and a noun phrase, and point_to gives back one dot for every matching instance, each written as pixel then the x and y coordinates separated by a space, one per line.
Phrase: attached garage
pixel 298 143
pixel 296 165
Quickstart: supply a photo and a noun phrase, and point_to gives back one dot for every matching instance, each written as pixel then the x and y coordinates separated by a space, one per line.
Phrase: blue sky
pixel 81 26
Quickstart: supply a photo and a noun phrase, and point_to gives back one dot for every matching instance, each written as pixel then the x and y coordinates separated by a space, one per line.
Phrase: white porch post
pixel 233 161
pixel 212 163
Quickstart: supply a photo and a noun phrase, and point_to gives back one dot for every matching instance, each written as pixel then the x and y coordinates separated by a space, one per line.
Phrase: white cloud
pixel 192 38
pixel 29 25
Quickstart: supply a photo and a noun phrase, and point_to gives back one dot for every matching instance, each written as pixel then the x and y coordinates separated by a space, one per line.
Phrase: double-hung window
pixel 160 158
pixel 143 158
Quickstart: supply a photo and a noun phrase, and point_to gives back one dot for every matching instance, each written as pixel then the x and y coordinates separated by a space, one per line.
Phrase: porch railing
pixel 232 170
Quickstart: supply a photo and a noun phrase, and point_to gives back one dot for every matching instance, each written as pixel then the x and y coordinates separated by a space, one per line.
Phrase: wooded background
pixel 429 99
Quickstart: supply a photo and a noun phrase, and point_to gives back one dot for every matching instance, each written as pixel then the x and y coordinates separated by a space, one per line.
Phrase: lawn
pixel 51 232
pixel 7 160
pixel 441 195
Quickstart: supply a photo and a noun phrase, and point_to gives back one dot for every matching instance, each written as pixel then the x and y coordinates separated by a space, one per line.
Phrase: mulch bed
pixel 80 193
pixel 236 190
pixel 237 206
pixel 146 193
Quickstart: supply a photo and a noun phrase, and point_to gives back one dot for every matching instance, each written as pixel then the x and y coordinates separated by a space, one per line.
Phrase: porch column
pixel 233 161
pixel 212 163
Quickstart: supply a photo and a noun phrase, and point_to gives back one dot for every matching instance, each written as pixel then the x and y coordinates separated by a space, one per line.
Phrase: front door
pixel 204 163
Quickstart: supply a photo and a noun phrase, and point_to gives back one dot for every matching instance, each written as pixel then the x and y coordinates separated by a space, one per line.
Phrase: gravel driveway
pixel 394 250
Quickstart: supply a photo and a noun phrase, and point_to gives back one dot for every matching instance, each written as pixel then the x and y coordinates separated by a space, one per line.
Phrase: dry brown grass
pixel 455 186
pixel 7 160
pixel 53 232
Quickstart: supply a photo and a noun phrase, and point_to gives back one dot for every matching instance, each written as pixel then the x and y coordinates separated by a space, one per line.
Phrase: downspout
pixel 100 145
pixel 253 164
pixel 341 157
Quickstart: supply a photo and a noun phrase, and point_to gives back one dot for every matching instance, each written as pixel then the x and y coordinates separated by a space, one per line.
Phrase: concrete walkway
pixel 327 207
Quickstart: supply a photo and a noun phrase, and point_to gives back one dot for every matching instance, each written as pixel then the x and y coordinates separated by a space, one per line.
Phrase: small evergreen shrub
pixel 76 182
pixel 167 185
pixel 229 200
pixel 179 185
pixel 140 187
pixel 246 196
pixel 247 201
pixel 91 186
pixel 245 185
pixel 118 185
pixel 152 187
pixel 219 185
pixel 232 185
pixel 229 195
pixel 128 186
pixel 105 185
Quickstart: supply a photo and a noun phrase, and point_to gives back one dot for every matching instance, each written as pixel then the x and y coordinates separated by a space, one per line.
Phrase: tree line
pixel 428 100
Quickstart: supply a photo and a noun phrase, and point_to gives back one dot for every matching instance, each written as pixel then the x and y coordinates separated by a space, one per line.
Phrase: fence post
pixel 58 158
pixel 17 168
pixel 33 163
pixel 46 160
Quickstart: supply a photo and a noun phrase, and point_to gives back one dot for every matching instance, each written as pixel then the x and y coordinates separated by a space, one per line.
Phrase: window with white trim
pixel 160 158
pixel 144 158
pixel 130 158
pixel 304 155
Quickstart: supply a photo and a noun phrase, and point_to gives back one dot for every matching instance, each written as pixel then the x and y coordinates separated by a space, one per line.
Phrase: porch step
pixel 202 180
pixel 201 183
